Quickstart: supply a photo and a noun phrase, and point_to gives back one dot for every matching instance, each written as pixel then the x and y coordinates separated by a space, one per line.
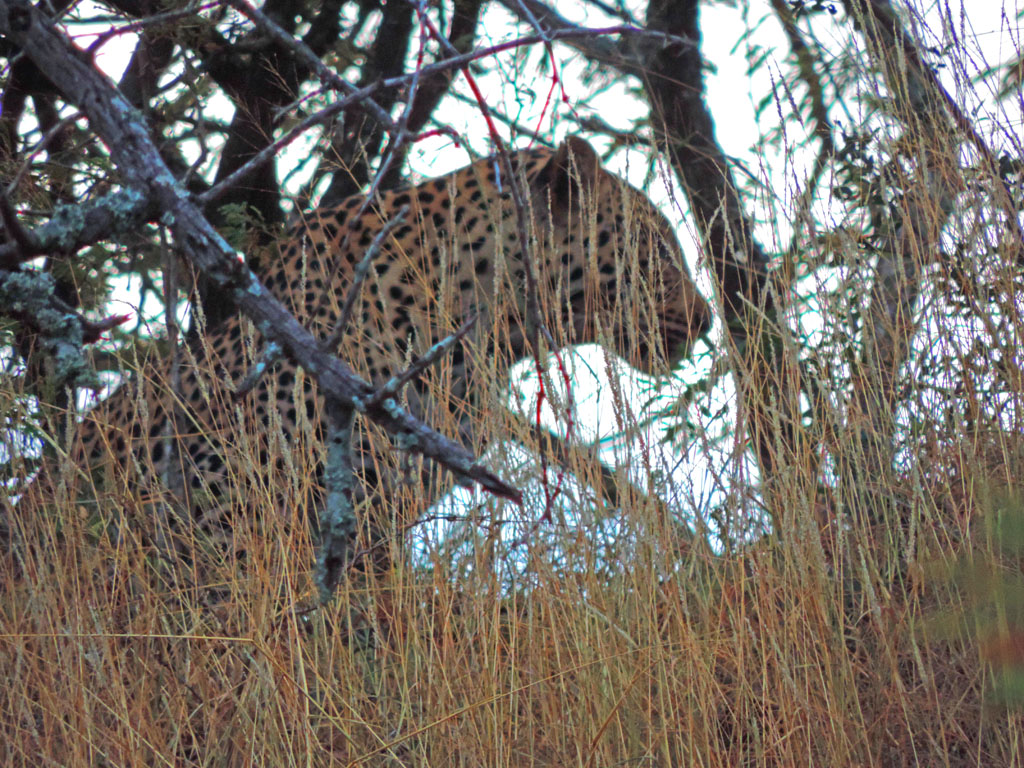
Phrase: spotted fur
pixel 609 268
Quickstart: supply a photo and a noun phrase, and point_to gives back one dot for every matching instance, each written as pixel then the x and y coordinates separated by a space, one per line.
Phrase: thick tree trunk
pixel 767 378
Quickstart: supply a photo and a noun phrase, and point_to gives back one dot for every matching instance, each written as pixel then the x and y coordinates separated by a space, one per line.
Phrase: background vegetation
pixel 811 550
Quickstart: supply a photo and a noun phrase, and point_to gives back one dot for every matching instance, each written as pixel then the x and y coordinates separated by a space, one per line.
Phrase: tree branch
pixel 593 47
pixel 73 226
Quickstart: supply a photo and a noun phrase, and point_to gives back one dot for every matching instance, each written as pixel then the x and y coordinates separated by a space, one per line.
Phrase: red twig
pixel 438 132
pixel 436 34
pixel 547 100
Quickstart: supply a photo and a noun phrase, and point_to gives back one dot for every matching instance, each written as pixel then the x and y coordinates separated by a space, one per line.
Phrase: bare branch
pixel 554 26
pixel 568 33
pixel 359 276
pixel 149 21
pixel 393 387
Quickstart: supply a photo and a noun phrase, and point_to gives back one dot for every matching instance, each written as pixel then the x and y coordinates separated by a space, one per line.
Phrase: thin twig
pixel 397 137
pixel 393 387
pixel 149 21
pixel 361 95
pixel 517 129
pixel 270 151
pixel 271 355
pixel 359 276
pixel 309 59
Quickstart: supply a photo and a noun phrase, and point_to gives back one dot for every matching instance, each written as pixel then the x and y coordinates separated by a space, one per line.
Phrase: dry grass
pixel 788 653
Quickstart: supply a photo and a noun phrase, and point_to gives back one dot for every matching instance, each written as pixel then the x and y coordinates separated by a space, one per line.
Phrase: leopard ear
pixel 573 165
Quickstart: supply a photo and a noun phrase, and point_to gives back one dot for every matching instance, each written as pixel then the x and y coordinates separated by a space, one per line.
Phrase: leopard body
pixel 608 266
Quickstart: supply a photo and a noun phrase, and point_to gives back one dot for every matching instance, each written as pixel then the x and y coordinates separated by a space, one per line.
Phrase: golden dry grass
pixel 797 651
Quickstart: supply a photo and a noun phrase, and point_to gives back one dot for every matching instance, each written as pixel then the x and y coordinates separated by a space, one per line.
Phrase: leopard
pixel 607 267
